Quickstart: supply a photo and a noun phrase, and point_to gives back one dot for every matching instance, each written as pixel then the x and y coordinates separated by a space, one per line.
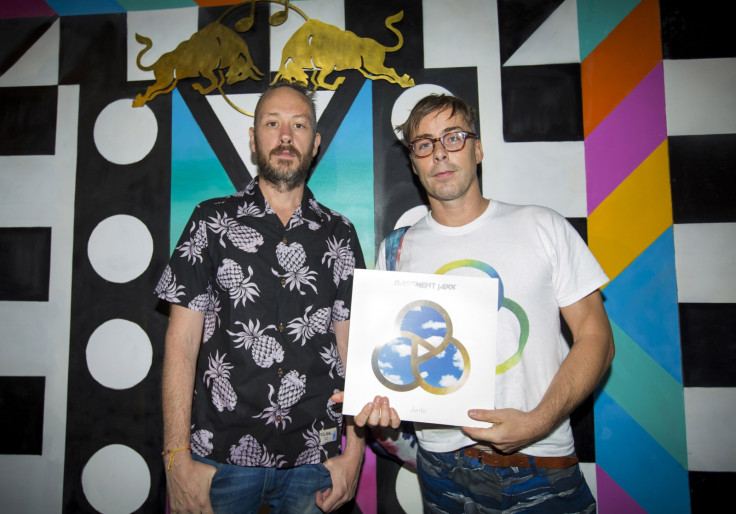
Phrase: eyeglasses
pixel 452 142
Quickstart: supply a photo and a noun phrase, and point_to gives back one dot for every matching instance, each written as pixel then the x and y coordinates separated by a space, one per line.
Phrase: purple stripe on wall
pixel 612 499
pixel 25 9
pixel 625 138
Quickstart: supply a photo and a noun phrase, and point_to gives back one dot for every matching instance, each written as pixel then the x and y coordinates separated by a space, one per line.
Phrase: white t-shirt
pixel 542 264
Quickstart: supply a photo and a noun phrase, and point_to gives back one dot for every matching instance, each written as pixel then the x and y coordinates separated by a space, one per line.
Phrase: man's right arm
pixel 187 481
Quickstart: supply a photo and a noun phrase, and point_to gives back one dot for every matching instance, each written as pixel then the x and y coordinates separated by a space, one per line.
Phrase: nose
pixel 438 151
pixel 285 137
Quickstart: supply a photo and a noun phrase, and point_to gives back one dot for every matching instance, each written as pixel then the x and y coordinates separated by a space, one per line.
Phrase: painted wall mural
pixel 619 114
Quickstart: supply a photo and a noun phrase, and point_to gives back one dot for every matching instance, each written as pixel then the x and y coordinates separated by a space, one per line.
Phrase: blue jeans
pixel 242 490
pixel 454 483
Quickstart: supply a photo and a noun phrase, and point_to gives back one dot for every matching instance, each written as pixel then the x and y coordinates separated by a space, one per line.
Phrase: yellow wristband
pixel 171 454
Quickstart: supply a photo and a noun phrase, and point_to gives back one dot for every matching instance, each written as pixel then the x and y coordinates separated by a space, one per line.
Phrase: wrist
pixel 179 453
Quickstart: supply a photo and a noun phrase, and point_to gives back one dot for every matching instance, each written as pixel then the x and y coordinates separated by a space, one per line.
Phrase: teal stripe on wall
pixel 80 7
pixel 597 18
pixel 649 395
pixel 343 180
pixel 196 173
pixel 149 5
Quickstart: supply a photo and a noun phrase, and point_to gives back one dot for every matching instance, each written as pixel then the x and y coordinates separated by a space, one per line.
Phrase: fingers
pixel 338 397
pixel 378 413
pixel 322 500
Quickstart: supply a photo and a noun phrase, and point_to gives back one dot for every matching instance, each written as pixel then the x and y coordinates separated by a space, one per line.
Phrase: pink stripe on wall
pixel 633 130
pixel 612 499
pixel 366 497
pixel 25 9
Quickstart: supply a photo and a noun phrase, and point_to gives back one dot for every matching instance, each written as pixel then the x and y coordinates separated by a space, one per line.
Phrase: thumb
pixel 482 415
pixel 338 397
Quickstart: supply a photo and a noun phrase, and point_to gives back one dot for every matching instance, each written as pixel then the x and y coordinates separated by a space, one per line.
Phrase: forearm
pixel 589 358
pixel 354 440
pixel 585 365
pixel 177 390
pixel 177 384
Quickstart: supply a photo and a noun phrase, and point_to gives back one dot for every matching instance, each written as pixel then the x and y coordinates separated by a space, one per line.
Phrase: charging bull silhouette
pixel 325 48
pixel 206 53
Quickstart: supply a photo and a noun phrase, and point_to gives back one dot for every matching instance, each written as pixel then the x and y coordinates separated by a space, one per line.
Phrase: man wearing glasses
pixel 526 460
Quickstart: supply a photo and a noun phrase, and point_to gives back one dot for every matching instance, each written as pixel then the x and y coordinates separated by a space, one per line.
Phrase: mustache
pixel 286 148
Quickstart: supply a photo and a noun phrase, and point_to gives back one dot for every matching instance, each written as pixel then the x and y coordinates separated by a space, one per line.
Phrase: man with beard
pixel 260 288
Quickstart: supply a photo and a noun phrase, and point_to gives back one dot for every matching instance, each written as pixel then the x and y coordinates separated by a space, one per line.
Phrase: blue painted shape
pixel 343 180
pixel 650 395
pixel 77 7
pixel 597 18
pixel 642 300
pixel 636 462
pixel 147 5
pixel 196 173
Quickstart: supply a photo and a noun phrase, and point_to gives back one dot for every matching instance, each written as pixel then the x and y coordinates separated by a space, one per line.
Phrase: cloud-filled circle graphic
pixel 423 353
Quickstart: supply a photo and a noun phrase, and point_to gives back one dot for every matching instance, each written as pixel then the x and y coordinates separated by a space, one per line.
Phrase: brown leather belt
pixel 514 460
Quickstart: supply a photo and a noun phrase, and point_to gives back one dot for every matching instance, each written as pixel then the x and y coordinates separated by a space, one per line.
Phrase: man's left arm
pixel 345 468
pixel 590 356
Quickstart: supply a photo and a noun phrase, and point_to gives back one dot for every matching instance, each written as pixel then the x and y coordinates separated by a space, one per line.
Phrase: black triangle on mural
pixel 18 35
pixel 331 119
pixel 518 20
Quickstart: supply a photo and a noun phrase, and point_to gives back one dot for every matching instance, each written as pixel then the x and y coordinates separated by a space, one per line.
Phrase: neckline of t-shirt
pixel 462 229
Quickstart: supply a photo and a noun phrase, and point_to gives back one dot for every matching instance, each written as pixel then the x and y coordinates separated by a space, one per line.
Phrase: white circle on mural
pixel 119 354
pixel 116 479
pixel 408 492
pixel 125 134
pixel 120 248
pixel 412 216
pixel 408 99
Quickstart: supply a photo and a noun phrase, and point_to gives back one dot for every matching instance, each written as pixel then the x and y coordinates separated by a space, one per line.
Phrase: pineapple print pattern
pixel 201 442
pixel 292 388
pixel 339 311
pixel 167 287
pixel 241 236
pixel 249 453
pixel 192 248
pixel 250 209
pixel 292 258
pixel 264 348
pixel 331 357
pixel 312 455
pixel 340 258
pixel 334 410
pixel 230 277
pixel 226 264
pixel 209 304
pixel 307 326
pixel 217 377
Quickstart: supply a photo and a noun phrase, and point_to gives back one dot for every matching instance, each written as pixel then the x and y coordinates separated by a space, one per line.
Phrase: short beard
pixel 284 180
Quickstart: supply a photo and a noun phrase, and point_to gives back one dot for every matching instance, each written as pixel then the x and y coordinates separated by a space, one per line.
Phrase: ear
pixel 478 151
pixel 413 168
pixel 252 136
pixel 317 141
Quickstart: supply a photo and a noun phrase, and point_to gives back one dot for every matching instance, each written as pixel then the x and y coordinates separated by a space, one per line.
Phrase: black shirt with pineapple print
pixel 269 361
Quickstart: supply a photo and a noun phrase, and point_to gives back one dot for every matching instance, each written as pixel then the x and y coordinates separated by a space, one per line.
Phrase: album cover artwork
pixel 427 342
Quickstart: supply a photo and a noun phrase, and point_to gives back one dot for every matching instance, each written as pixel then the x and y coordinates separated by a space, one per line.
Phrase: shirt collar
pixel 309 211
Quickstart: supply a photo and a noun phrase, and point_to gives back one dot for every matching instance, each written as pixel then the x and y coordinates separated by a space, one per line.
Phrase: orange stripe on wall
pixel 620 62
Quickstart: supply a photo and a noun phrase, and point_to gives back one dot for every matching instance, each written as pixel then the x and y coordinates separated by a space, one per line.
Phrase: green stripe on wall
pixel 648 394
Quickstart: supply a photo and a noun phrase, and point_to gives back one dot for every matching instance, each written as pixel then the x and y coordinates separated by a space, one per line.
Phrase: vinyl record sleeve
pixel 427 342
